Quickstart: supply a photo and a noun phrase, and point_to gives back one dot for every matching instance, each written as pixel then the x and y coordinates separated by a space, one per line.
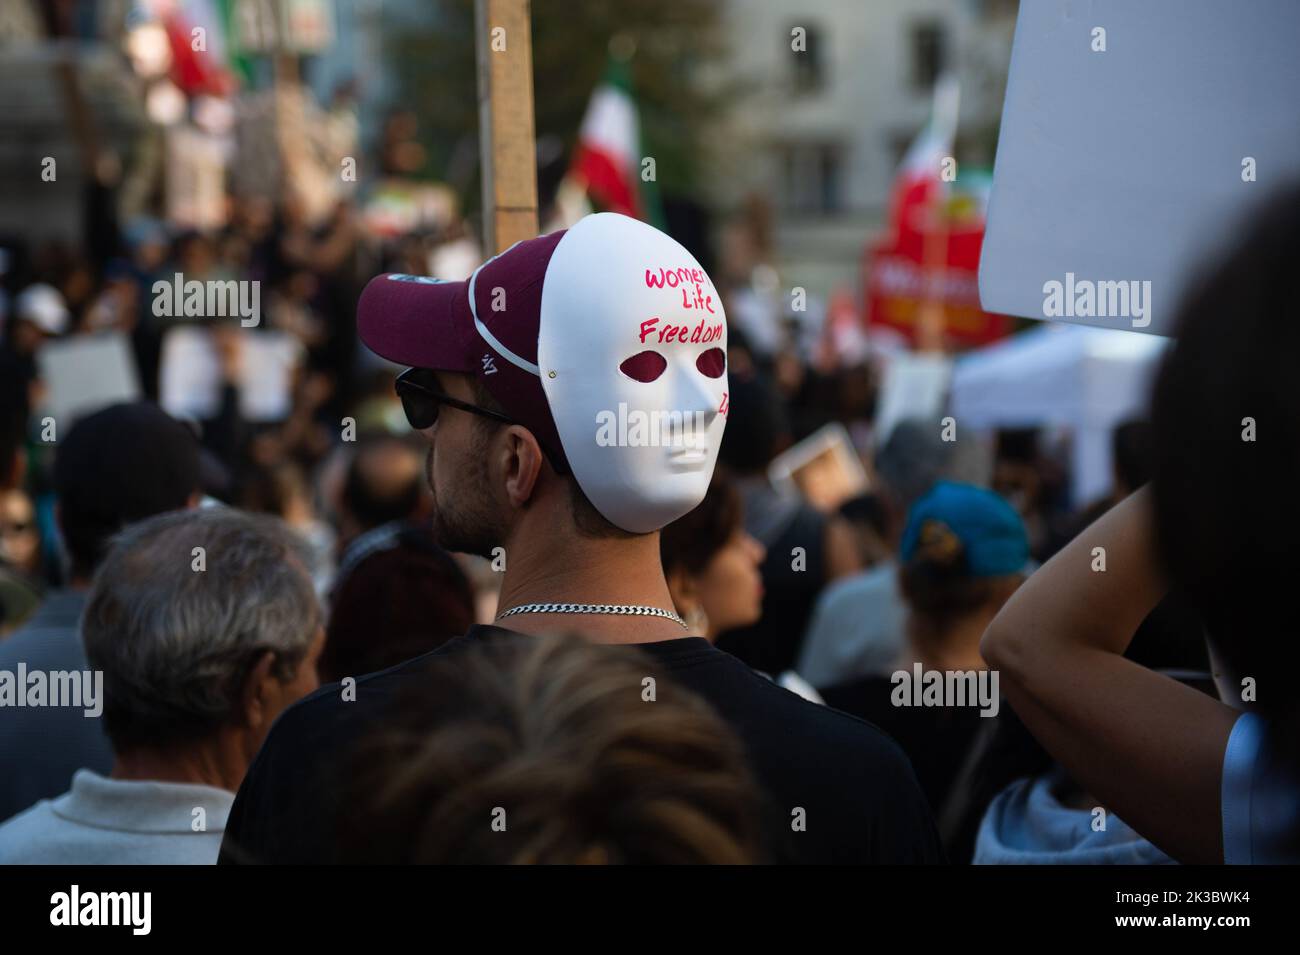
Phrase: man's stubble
pixel 464 517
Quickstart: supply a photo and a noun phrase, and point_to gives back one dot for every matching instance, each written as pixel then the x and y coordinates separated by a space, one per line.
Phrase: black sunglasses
pixel 422 399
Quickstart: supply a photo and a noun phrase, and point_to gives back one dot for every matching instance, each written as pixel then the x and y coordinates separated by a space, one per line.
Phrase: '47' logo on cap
pixel 489 365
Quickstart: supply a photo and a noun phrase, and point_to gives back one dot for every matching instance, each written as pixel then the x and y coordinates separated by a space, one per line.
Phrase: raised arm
pixel 1147 747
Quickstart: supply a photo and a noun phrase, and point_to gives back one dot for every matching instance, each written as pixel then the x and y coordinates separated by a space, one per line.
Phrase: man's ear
pixel 523 464
pixel 257 704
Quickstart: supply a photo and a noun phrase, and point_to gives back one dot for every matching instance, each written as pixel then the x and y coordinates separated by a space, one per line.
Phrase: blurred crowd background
pixel 310 145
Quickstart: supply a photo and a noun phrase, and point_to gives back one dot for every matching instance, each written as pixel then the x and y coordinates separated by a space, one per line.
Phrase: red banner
pixel 929 258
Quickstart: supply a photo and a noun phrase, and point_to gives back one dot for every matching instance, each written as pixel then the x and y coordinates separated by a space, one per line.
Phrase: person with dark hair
pixel 281 490
pixel 196 666
pixel 711 564
pixel 1205 781
pixel 116 466
pixel 382 486
pixel 39 315
pixel 399 597
pixel 574 394
pixel 963 553
pixel 1032 479
pixel 780 521
pixel 20 534
pixel 869 516
pixel 544 751
pixel 13 456
pixel 1130 446
pixel 20 537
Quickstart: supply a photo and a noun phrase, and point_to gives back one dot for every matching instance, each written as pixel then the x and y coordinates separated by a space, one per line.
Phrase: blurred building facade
pixel 66 99
pixel 819 133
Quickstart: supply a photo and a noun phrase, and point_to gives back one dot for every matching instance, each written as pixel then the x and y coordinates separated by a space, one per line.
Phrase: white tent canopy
pixel 1086 379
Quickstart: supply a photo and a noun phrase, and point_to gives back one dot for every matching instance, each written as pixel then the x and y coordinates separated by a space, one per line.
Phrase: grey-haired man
pixel 205 626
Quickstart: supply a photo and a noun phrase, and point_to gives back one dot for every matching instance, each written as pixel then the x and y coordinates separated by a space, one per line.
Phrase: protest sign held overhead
pixel 1136 138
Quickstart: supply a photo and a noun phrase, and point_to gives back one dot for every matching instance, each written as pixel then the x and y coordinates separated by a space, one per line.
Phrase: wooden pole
pixel 503 38
pixel 932 316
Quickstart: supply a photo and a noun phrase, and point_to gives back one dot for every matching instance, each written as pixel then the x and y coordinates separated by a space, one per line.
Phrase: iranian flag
pixel 922 274
pixel 918 185
pixel 606 164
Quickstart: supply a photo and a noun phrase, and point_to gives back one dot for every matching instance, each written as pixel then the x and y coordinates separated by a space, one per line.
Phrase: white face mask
pixel 632 354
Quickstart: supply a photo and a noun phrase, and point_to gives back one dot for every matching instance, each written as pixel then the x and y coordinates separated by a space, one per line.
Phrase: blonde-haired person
pixel 549 750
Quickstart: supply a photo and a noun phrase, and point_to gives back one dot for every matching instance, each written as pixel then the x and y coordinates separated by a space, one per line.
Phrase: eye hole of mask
pixel 712 362
pixel 644 366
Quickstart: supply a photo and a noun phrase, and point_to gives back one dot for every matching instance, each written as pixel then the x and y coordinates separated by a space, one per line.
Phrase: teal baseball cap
pixel 981 524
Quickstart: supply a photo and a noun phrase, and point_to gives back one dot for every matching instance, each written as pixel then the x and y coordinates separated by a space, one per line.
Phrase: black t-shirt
pixel 937 739
pixel 860 801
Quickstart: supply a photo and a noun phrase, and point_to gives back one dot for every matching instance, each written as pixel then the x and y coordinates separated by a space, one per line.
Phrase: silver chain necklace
pixel 633 609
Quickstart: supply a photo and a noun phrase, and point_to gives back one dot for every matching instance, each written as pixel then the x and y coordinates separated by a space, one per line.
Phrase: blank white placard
pixel 1126 165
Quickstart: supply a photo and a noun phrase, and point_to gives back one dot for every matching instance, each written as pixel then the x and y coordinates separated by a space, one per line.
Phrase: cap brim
pixel 415 320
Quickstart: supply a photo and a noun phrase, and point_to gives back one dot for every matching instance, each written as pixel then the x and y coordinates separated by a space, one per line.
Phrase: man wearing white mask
pixel 574 392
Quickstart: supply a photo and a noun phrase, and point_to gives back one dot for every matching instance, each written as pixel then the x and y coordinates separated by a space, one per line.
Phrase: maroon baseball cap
pixel 486 326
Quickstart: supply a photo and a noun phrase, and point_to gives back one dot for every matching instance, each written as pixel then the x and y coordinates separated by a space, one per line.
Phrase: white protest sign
pixel 1135 139
pixel 85 373
pixel 914 386
pixel 190 379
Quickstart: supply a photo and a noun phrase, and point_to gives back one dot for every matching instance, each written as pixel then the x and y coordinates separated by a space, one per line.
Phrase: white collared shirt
pixel 103 821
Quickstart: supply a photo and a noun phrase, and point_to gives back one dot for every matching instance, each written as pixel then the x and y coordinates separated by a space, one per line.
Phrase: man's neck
pixel 558 567
pixel 206 765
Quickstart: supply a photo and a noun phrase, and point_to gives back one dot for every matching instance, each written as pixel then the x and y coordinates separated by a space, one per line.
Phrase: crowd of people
pixel 424 619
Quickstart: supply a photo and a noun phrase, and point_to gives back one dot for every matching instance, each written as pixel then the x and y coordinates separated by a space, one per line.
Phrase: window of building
pixel 813 178
pixel 928 53
pixel 809 62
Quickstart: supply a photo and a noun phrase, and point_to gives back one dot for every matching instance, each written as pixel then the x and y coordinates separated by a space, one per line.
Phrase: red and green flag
pixel 607 163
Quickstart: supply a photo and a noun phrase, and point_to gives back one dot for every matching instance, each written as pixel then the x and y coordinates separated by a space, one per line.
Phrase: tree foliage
pixel 434 64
